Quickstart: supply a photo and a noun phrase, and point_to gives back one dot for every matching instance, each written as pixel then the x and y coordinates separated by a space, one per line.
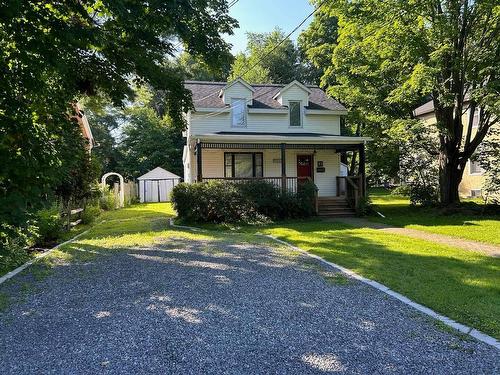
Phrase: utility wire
pixel 264 55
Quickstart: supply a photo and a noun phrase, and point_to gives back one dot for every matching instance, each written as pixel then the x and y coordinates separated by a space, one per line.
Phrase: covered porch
pixel 285 161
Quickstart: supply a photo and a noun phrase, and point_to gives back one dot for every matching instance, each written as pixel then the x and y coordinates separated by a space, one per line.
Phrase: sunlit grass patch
pixel 471 226
pixel 143 210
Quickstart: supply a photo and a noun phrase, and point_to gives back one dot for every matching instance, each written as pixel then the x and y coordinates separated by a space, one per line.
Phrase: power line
pixel 264 55
pixel 282 40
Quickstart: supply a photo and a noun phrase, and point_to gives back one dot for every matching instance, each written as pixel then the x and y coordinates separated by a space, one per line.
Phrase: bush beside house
pixel 241 202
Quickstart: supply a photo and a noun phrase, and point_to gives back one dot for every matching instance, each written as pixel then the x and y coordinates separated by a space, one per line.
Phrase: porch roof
pixel 287 138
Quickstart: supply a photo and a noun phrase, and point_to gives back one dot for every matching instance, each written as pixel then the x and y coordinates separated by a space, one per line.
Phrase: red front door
pixel 304 167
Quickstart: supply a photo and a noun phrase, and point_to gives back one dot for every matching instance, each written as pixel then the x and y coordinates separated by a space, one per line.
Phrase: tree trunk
pixel 450 176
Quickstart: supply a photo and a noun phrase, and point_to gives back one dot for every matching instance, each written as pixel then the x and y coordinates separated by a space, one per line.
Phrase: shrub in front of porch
pixel 243 202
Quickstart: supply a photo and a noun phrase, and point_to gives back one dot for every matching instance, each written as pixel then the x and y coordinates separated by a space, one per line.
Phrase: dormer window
pixel 295 114
pixel 238 113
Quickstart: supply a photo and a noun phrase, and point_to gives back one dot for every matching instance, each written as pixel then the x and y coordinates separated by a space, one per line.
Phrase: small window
pixel 238 113
pixel 243 165
pixel 476 193
pixel 295 114
pixel 475 167
pixel 475 119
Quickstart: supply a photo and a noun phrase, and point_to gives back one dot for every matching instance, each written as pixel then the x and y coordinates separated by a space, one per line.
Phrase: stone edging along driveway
pixel 445 320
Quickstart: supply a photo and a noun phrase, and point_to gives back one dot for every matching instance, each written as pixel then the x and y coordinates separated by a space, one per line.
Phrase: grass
pixel 460 284
pixel 470 226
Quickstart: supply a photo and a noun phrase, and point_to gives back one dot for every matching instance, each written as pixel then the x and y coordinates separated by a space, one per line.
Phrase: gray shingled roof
pixel 206 95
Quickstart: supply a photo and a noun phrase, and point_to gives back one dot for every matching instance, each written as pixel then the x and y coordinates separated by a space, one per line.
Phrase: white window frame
pixel 475 119
pixel 233 101
pixel 290 115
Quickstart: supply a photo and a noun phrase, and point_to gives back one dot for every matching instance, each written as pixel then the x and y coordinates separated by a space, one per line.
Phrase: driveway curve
pixel 189 306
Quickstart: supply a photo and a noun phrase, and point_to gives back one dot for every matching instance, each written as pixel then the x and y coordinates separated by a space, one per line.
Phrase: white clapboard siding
pixel 294 93
pixel 239 91
pixel 264 123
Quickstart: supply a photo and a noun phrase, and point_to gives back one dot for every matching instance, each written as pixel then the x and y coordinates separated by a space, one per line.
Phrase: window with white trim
pixel 243 164
pixel 295 113
pixel 475 119
pixel 238 113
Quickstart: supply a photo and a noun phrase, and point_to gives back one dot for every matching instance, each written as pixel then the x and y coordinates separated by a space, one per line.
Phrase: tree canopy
pixel 391 55
pixel 270 64
pixel 53 52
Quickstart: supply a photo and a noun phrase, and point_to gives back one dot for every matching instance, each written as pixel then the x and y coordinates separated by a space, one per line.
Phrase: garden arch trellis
pixel 122 185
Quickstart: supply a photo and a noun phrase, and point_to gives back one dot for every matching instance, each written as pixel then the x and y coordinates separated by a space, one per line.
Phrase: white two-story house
pixel 284 134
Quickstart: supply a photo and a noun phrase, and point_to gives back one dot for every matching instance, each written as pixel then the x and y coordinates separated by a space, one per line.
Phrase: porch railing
pixel 350 187
pixel 291 184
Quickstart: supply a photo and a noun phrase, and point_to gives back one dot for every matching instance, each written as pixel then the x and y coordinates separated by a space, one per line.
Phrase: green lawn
pixel 398 212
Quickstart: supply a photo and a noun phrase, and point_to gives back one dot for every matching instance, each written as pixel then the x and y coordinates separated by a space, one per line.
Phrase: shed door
pixel 152 191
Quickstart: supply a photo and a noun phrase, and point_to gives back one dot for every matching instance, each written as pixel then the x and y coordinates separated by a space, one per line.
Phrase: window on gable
pixel 243 165
pixel 295 113
pixel 238 113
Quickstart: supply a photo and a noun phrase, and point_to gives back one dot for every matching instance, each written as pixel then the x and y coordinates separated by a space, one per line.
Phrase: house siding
pixel 264 123
pixel 294 93
pixel 469 181
pixel 237 91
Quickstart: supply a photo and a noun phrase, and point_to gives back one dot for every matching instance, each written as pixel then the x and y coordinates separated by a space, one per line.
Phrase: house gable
pixel 237 89
pixel 294 91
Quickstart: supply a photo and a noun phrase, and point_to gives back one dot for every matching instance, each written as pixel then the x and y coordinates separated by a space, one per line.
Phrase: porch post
pixel 362 168
pixel 199 172
pixel 283 167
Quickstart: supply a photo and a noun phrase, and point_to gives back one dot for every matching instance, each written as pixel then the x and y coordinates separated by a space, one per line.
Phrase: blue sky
pixel 264 16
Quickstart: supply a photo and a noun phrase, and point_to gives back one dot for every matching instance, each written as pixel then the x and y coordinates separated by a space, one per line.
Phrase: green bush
pixel 49 225
pixel 212 202
pixel 402 191
pixel 425 195
pixel 107 200
pixel 13 244
pixel 265 197
pixel 248 202
pixel 90 214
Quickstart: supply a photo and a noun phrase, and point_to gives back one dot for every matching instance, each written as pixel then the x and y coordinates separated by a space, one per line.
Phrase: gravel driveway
pixel 201 307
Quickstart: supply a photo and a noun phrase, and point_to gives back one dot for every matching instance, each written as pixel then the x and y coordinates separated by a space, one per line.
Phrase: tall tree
pixel 52 52
pixel 392 53
pixel 316 44
pixel 149 141
pixel 270 64
pixel 368 114
pixel 195 68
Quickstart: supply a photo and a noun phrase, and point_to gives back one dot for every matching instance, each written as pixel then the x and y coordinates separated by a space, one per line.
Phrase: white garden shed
pixel 156 185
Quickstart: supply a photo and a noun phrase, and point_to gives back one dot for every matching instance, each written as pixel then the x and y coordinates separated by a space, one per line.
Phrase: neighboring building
pixel 473 179
pixel 156 185
pixel 84 127
pixel 284 134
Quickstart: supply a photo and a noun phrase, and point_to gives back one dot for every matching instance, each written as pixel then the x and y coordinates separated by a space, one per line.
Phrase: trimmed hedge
pixel 241 202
